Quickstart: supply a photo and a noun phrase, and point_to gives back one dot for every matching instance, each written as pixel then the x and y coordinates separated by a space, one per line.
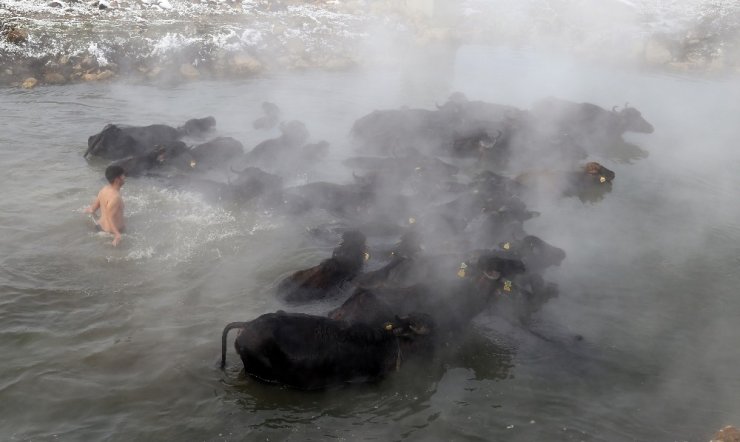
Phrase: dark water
pixel 103 343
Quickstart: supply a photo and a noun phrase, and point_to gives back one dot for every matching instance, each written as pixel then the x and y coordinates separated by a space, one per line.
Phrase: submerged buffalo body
pixel 217 152
pixel 321 280
pixel 591 121
pixel 197 127
pixel 119 141
pixel 175 154
pixel 311 352
pixel 115 142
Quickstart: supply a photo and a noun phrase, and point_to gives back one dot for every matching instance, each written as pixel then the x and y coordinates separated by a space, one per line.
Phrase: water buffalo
pixel 313 152
pixel 271 117
pixel 273 152
pixel 342 200
pixel 413 172
pixel 253 182
pixel 217 152
pixel 119 141
pixel 465 111
pixel 591 177
pixel 451 291
pixel 313 352
pixel 175 154
pixel 396 131
pixel 115 142
pixel 535 253
pixel 197 127
pixel 401 256
pixel 589 121
pixel 331 274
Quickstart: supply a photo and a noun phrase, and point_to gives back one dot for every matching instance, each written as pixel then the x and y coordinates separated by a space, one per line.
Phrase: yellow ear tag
pixel 507 246
pixel 412 220
pixel 461 272
pixel 367 256
pixel 602 179
pixel 389 326
pixel 507 285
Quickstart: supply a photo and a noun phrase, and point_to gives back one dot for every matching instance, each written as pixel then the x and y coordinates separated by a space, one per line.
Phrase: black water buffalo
pixel 342 200
pixel 250 183
pixel 466 111
pixel 397 131
pixel 593 122
pixel 271 117
pixel 115 142
pixel 421 174
pixel 175 154
pixel 313 152
pixel 119 141
pixel 253 182
pixel 535 253
pixel 197 127
pixel 451 291
pixel 330 275
pixel 313 352
pixel 400 258
pixel 217 152
pixel 275 151
pixel 589 178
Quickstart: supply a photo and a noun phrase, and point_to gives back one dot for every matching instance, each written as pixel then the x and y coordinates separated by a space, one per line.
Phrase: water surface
pixel 103 343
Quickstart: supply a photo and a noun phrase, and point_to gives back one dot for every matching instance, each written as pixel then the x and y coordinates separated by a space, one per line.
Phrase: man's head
pixel 113 172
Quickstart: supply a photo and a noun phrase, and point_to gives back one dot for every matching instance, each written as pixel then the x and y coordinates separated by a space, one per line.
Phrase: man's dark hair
pixel 113 172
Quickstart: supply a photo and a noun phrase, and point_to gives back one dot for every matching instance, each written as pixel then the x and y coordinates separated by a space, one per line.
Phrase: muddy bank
pixel 58 42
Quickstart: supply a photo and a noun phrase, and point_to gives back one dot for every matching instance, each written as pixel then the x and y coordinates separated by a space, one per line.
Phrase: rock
pixel 681 66
pixel 100 4
pixel 727 434
pixel 242 64
pixel 56 4
pixel 338 64
pixel 189 72
pixel 54 78
pixel 16 36
pixel 154 72
pixel 295 45
pixel 89 62
pixel 29 83
pixel 104 75
pixel 90 77
pixel 656 53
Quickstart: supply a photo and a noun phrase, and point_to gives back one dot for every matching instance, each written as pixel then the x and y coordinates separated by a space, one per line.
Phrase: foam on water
pixel 173 227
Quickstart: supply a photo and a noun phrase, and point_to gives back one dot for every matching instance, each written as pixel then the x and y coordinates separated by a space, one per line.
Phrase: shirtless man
pixel 110 203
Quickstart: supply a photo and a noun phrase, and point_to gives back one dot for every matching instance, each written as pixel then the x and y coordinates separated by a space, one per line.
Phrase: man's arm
pixel 114 209
pixel 94 206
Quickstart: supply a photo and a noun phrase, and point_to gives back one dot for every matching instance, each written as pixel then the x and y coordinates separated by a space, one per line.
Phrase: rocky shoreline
pixel 169 41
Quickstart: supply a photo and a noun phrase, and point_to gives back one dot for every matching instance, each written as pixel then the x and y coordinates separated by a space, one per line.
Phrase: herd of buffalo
pixel 428 230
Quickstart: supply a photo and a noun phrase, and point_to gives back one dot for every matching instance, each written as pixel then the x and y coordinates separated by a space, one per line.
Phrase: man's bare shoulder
pixel 108 193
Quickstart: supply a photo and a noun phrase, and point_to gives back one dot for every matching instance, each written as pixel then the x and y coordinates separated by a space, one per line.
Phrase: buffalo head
pixel 412 325
pixel 597 173
pixel 631 120
pixel 534 252
pixel 196 127
pixel 352 251
pixel 111 143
